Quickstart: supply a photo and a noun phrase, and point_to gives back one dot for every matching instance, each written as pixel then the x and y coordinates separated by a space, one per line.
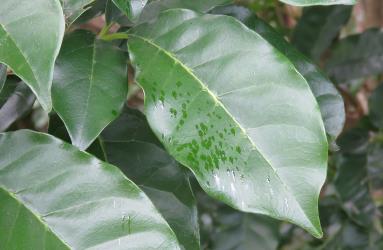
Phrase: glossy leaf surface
pixel 329 100
pixel 18 104
pixel 357 56
pixel 90 85
pixel 318 27
pixel 234 110
pixel 131 8
pixel 31 51
pixel 130 145
pixel 317 2
pixel 74 8
pixel 56 197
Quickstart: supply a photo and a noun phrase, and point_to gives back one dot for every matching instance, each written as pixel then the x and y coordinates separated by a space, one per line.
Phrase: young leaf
pixel 28 45
pixel 318 27
pixel 357 56
pixel 329 100
pixel 131 8
pixel 317 2
pixel 73 9
pixel 89 85
pixel 55 197
pixel 131 145
pixel 234 110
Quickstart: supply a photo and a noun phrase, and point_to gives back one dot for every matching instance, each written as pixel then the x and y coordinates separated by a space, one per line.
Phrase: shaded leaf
pixel 357 56
pixel 318 27
pixel 317 2
pixel 234 110
pixel 154 8
pixel 73 9
pixel 375 104
pixel 56 197
pixel 31 51
pixel 3 76
pixel 90 85
pixel 131 145
pixel 329 100
pixel 131 8
pixel 18 104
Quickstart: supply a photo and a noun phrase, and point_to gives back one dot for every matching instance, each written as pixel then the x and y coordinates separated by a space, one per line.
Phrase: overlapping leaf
pixel 234 110
pixel 90 85
pixel 317 2
pixel 3 75
pixel 357 56
pixel 318 27
pixel 131 8
pixel 376 107
pixel 28 45
pixel 18 101
pixel 56 197
pixel 129 144
pixel 73 9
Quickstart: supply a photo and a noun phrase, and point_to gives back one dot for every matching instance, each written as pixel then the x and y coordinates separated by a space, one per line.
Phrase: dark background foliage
pixel 347 43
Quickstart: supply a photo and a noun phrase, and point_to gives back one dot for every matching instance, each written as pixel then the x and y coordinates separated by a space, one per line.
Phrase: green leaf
pixel 73 9
pixel 318 27
pixel 131 8
pixel 357 56
pixel 56 197
pixel 329 100
pixel 245 231
pixel 375 170
pixel 154 8
pixel 90 85
pixel 3 75
pixel 234 110
pixel 376 107
pixel 131 145
pixel 317 2
pixel 17 105
pixel 28 45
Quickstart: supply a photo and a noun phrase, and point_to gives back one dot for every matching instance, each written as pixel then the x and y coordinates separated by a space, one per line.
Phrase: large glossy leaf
pixel 329 100
pixel 318 27
pixel 317 2
pixel 131 145
pixel 234 110
pixel 28 45
pixel 89 86
pixel 56 197
pixel 74 8
pixel 17 105
pixel 357 56
pixel 376 107
pixel 131 8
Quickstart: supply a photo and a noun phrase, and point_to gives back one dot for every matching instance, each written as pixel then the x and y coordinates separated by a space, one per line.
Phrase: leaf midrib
pixel 219 103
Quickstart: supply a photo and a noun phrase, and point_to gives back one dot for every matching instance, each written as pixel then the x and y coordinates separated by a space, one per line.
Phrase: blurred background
pixel 347 44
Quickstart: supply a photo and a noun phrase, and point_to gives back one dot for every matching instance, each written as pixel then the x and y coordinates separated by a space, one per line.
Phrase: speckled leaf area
pixel 235 111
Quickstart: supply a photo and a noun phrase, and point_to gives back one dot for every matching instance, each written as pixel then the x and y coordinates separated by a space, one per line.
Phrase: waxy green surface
pixel 89 86
pixel 54 196
pixel 28 45
pixel 131 8
pixel 73 9
pixel 234 110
